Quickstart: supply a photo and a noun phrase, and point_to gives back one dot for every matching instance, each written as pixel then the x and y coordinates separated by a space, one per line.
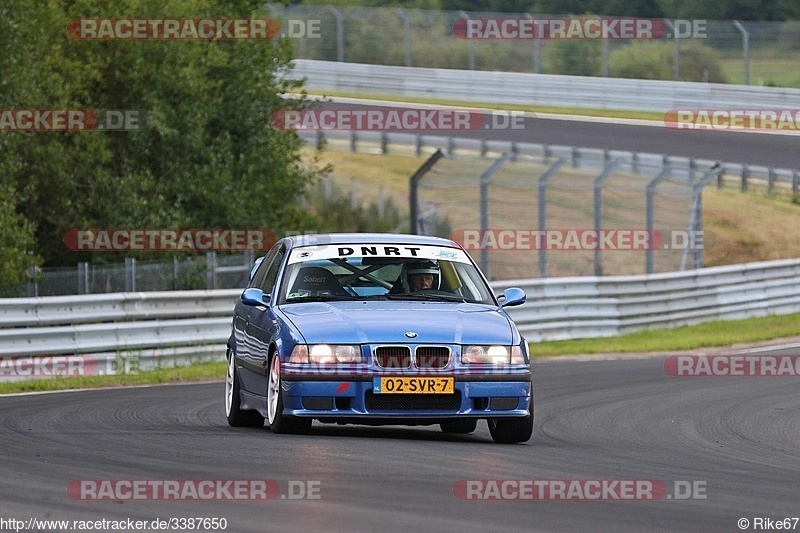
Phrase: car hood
pixel 387 322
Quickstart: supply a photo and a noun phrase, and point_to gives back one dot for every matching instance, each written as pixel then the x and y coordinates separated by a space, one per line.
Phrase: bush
pixel 573 58
pixel 654 60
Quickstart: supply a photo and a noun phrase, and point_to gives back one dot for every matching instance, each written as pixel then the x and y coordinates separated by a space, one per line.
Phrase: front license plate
pixel 412 385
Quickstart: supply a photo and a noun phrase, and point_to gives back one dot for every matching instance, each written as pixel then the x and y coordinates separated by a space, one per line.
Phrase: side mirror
pixel 255 267
pixel 513 296
pixel 255 297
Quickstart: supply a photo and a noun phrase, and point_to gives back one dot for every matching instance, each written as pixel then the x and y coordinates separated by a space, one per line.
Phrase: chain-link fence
pixel 212 271
pixel 522 216
pixel 757 53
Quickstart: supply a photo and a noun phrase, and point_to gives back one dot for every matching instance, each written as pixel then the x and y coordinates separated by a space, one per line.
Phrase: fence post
pixel 471 44
pixel 130 274
pixel 537 51
pixel 406 35
pixel 610 166
pixel 696 219
pixel 542 199
pixel 33 281
pixel 745 51
pixel 339 33
pixel 485 181
pixel 413 186
pixel 211 270
pixel 676 67
pixel 650 216
pixel 83 278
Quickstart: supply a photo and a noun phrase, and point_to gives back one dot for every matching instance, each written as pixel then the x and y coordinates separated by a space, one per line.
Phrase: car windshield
pixel 383 272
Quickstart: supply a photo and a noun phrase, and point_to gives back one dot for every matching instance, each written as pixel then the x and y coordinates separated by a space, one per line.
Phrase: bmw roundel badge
pixel 410 334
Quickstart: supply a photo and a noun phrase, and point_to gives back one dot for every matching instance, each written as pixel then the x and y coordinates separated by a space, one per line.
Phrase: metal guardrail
pixel 742 175
pixel 539 89
pixel 149 330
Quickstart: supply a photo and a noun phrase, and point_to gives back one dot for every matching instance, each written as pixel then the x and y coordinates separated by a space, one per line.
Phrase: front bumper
pixel 348 398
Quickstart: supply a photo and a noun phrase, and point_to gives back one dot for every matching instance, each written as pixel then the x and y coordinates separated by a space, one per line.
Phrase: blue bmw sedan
pixel 376 329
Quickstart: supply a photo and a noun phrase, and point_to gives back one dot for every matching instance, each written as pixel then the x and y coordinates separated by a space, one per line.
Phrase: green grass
pixel 711 334
pixel 197 372
pixel 779 72
pixel 581 111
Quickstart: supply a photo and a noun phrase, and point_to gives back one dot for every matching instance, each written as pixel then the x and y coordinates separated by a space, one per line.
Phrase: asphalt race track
pixel 733 147
pixel 737 438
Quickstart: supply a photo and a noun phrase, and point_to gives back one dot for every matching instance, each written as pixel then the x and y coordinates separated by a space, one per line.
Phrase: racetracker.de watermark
pixel 732 365
pixel 191 29
pixel 50 366
pixel 577 239
pixel 43 120
pixel 396 119
pixel 578 489
pixel 167 240
pixel 733 119
pixel 193 489
pixel 578 28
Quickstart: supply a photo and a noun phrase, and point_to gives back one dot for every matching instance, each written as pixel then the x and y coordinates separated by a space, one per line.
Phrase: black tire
pixel 512 430
pixel 461 425
pixel 238 417
pixel 278 422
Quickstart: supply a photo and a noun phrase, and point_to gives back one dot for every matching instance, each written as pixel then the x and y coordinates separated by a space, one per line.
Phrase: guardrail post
pixel 770 179
pixel 635 162
pixel 484 147
pixel 545 152
pixel 413 186
pixel 451 145
pixel 339 33
pixel 576 154
pixel 353 141
pixel 542 200
pixel 485 181
pixel 745 172
pixel 610 166
pixel 130 274
pixel 318 138
pixel 795 181
pixel 384 142
pixel 650 216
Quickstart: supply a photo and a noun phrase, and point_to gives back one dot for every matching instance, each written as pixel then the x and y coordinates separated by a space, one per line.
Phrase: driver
pixel 421 274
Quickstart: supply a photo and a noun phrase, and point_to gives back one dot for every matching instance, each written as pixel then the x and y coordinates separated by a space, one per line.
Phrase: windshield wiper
pixel 427 297
pixel 321 299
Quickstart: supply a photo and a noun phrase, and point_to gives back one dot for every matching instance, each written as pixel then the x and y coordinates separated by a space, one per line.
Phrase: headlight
pixel 491 355
pixel 326 353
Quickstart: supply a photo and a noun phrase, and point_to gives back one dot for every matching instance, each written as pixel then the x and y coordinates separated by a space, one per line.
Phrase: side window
pixel 268 282
pixel 258 279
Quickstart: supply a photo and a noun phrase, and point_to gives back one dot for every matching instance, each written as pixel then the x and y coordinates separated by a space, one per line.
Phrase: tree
pixel 207 155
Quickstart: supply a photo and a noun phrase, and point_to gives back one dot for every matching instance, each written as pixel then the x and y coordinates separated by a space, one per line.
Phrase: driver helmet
pixel 421 266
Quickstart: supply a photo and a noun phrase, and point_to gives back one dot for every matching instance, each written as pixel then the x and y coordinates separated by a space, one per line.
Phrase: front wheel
pixel 278 422
pixel 236 416
pixel 512 430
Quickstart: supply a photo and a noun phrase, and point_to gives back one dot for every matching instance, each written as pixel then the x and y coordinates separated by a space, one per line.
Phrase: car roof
pixel 316 239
